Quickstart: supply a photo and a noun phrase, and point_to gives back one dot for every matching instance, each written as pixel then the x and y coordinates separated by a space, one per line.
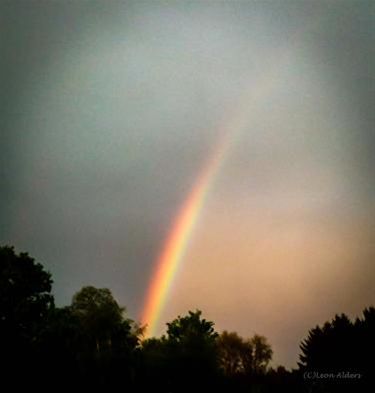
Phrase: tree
pixel 155 369
pixel 239 356
pixel 187 353
pixel 365 349
pixel 193 341
pixel 262 354
pixel 58 347
pixel 235 354
pixel 191 328
pixel 108 340
pixel 329 349
pixel 99 314
pixel 341 346
pixel 25 294
pixel 25 302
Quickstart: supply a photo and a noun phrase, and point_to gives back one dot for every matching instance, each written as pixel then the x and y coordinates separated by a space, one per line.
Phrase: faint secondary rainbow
pixel 177 242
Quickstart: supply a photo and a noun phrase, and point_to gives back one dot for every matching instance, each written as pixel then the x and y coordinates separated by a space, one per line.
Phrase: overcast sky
pixel 110 110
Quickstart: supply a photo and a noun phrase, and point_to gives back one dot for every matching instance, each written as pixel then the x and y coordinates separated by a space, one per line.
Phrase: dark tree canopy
pixel 262 354
pixel 186 353
pixel 341 346
pixel 234 353
pixel 243 356
pixel 191 327
pixel 106 335
pixel 329 347
pixel 99 314
pixel 25 294
pixel 93 345
pixel 92 339
pixel 25 303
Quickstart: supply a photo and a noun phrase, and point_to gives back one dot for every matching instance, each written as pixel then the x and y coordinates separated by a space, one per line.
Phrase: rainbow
pixel 177 242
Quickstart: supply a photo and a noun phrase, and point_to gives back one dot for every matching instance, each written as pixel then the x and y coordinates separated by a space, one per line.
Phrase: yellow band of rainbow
pixel 176 244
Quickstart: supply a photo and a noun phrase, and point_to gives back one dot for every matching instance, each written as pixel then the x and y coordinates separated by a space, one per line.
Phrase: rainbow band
pixel 181 231
pixel 176 244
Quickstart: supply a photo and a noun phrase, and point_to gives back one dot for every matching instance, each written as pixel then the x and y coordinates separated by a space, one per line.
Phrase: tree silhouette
pixel 330 348
pixel 191 328
pixel 365 350
pixel 185 357
pixel 239 356
pixel 59 348
pixel 235 354
pixel 108 340
pixel 191 341
pixel 92 345
pixel 25 297
pixel 343 349
pixel 25 301
pixel 155 369
pixel 99 315
pixel 262 354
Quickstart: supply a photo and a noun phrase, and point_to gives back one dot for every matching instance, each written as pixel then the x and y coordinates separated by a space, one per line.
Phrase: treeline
pixel 92 345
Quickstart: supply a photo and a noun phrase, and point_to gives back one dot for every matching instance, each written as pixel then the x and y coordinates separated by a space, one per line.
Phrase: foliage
pixel 25 297
pixel 327 348
pixel 239 356
pixel 191 328
pixel 262 354
pixel 234 353
pixel 25 302
pixel 186 353
pixel 107 340
pixel 100 317
pixel 92 344
pixel 341 347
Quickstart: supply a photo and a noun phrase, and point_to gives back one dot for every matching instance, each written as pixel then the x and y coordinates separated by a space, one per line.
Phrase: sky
pixel 110 111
